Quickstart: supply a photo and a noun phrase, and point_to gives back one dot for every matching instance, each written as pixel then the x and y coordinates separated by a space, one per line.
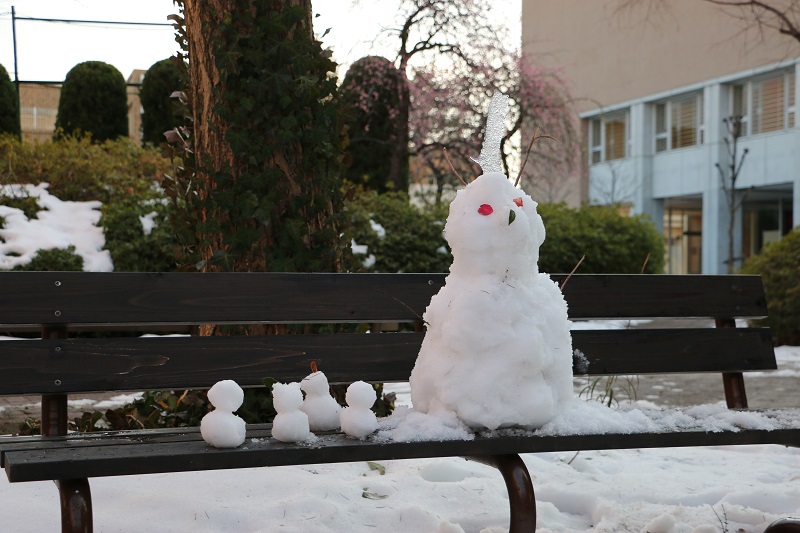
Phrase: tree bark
pixel 266 138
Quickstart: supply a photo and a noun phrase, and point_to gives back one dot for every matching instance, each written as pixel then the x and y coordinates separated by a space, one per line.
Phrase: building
pixel 653 85
pixel 39 108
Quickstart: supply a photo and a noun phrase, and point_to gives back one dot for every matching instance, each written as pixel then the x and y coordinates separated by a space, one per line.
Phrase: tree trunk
pixel 398 169
pixel 297 195
pixel 267 138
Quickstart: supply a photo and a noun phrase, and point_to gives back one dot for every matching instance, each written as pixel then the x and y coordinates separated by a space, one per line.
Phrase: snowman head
pixel 494 229
pixel 286 397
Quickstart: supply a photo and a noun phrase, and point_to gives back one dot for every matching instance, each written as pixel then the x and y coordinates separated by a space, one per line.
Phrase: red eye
pixel 518 201
pixel 485 210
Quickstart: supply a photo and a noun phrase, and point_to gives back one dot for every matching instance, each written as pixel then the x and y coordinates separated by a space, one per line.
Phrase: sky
pixel 46 51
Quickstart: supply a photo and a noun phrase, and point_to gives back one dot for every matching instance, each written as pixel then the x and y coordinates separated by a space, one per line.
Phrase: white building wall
pixel 648 179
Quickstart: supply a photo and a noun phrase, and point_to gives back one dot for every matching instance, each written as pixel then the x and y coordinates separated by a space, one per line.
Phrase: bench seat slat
pixel 74 298
pixel 158 363
pixel 189 452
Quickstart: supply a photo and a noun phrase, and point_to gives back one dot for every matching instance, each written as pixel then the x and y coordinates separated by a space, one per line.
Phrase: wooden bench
pixel 60 365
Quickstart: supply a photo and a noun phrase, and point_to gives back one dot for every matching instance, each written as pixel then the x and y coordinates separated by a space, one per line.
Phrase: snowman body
pixel 290 423
pixel 357 419
pixel 220 427
pixel 322 409
pixel 497 350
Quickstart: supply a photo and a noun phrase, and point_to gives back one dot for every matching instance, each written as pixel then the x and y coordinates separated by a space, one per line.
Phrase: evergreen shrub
pixel 133 249
pixel 161 111
pixel 371 93
pixel 9 105
pixel 612 243
pixel 93 100
pixel 402 237
pixel 120 174
pixel 777 264
pixel 54 260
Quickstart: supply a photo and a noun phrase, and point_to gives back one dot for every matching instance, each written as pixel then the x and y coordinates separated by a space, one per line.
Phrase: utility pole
pixel 16 71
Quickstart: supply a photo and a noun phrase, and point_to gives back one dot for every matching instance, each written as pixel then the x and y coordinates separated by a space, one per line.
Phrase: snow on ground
pixel 788 358
pixel 59 224
pixel 661 491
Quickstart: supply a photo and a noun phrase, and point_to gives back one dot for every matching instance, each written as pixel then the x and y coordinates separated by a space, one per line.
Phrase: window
pixel 679 122
pixel 608 138
pixel 661 128
pixel 766 104
pixel 597 141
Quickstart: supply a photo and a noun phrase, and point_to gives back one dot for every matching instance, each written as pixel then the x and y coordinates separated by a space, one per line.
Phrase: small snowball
pixel 226 395
pixel 661 524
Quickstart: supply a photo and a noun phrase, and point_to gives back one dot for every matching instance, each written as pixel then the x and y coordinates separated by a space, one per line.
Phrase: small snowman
pixel 497 350
pixel 290 424
pixel 221 428
pixel 357 418
pixel 322 409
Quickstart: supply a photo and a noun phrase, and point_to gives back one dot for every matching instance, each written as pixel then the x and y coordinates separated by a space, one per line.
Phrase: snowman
pixel 322 409
pixel 357 419
pixel 290 424
pixel 497 350
pixel 221 428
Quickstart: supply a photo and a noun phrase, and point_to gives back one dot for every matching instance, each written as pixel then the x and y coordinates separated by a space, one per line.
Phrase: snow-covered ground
pixel 658 491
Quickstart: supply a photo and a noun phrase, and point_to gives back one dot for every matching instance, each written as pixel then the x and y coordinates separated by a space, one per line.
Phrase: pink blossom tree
pixel 450 60
pixel 448 112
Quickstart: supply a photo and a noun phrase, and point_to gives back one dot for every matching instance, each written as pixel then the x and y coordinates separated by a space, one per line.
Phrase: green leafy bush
pixel 54 260
pixel 9 105
pixel 93 100
pixel 402 237
pixel 777 264
pixel 29 205
pixel 161 112
pixel 132 248
pixel 79 170
pixel 371 92
pixel 120 174
pixel 612 243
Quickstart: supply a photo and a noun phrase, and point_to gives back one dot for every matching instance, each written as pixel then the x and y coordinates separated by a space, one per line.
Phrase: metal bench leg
pixel 76 505
pixel 784 526
pixel 520 490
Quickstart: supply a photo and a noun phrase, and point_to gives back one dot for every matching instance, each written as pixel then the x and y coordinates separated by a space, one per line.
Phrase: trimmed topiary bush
pixel 371 92
pixel 777 264
pixel 9 105
pixel 161 112
pixel 611 242
pixel 93 100
pixel 400 236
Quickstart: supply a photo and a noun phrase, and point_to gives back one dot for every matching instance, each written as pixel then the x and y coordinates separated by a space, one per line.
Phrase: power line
pixel 74 21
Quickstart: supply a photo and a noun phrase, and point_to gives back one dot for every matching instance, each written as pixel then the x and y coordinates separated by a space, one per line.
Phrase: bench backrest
pixel 71 301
